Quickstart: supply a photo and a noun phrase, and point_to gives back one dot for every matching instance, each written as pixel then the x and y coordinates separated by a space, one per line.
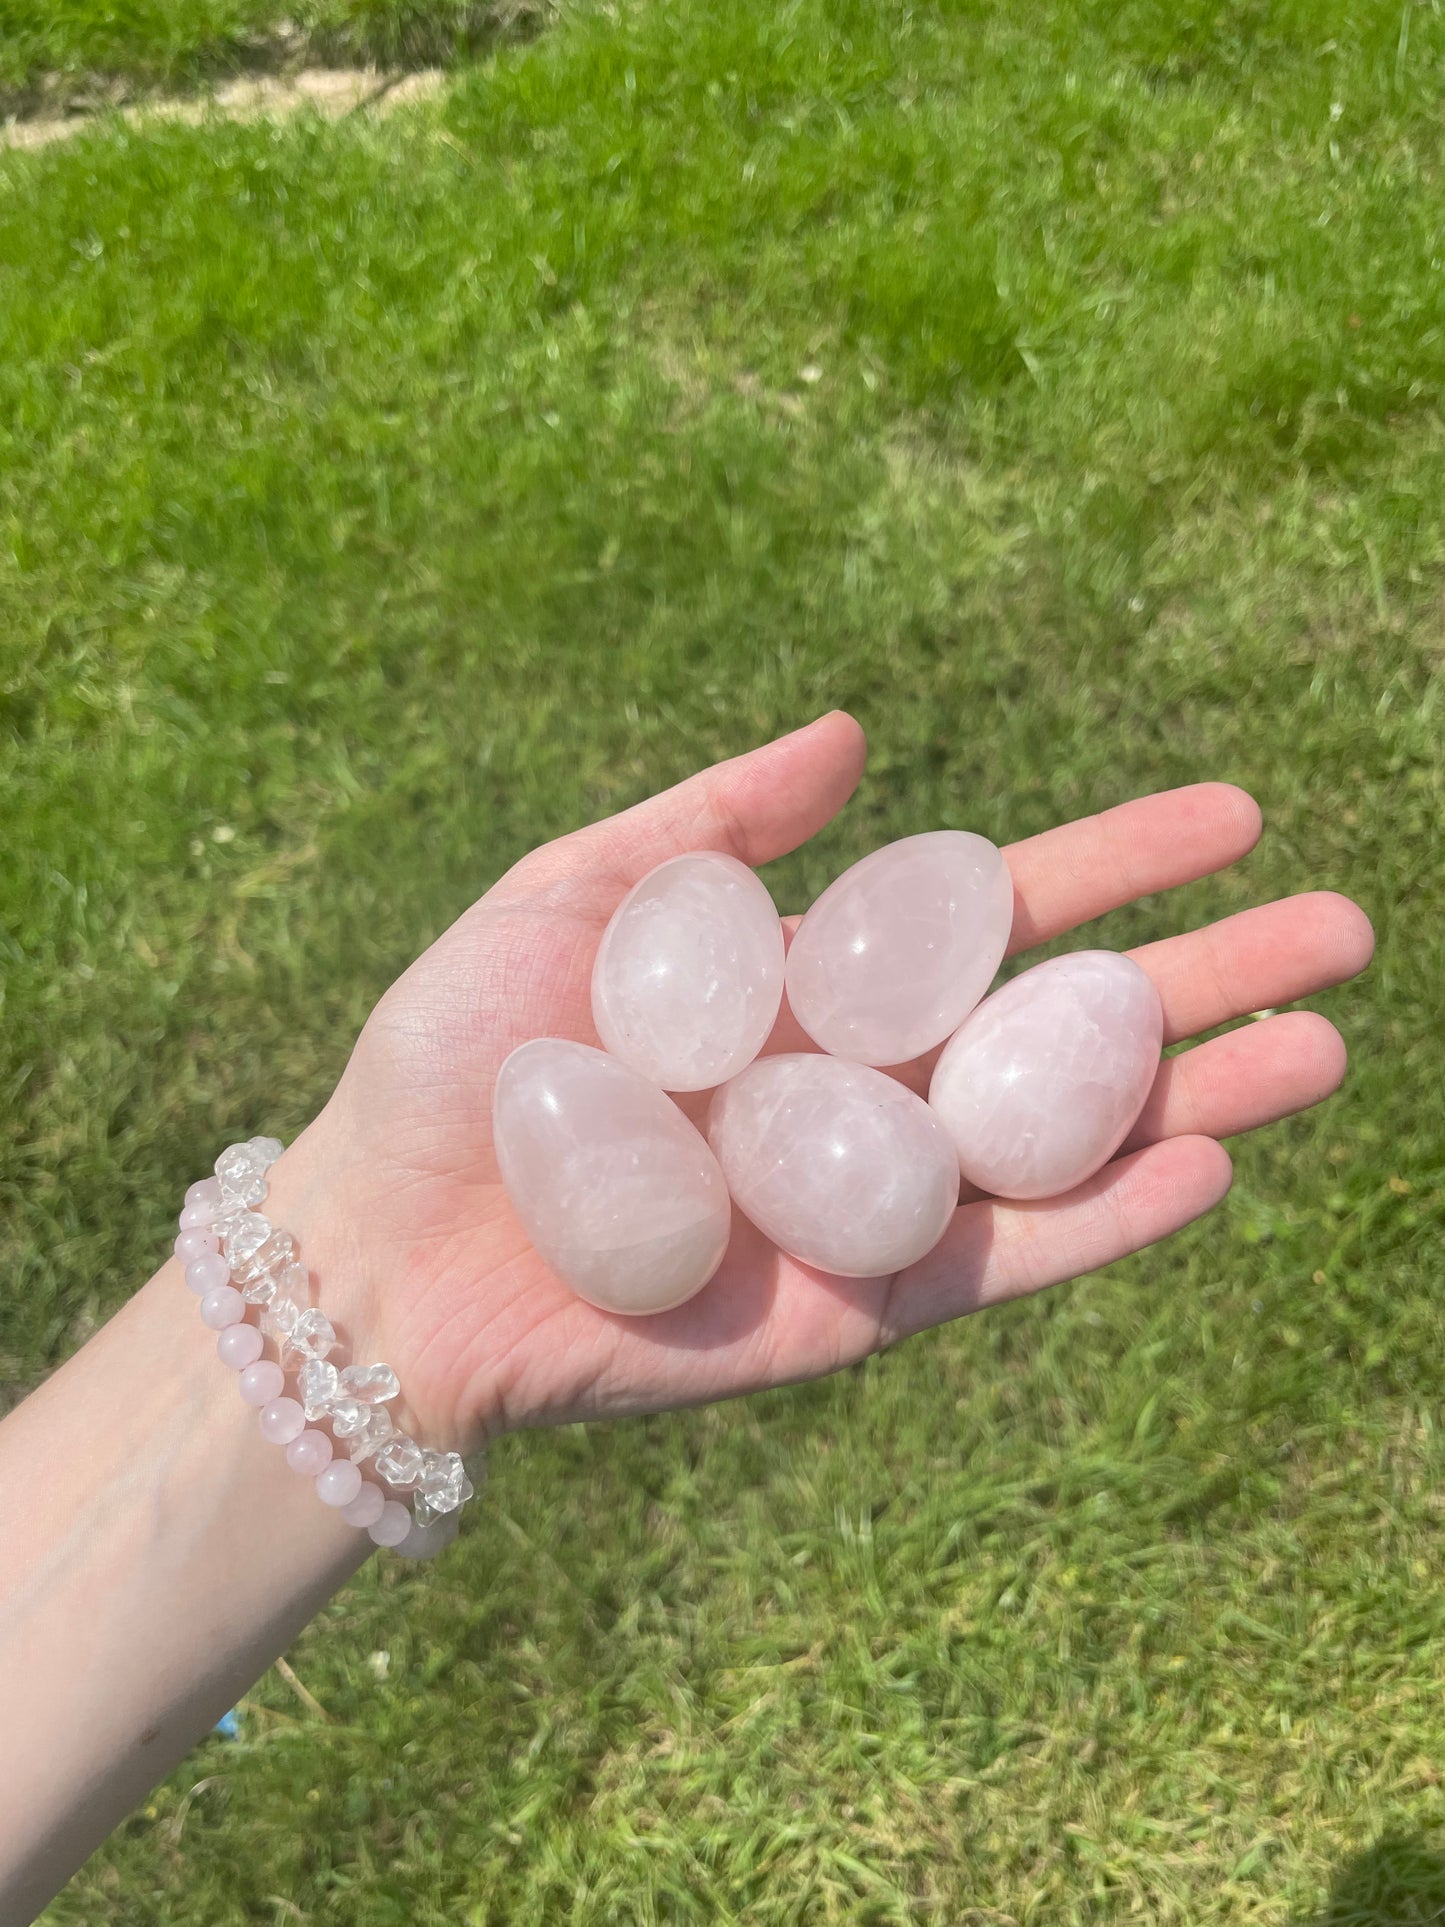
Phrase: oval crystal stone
pixel 689 974
pixel 614 1187
pixel 839 1165
pixel 1040 1085
pixel 896 951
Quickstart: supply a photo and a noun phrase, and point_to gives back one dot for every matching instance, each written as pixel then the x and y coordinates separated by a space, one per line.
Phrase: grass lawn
pixel 1058 386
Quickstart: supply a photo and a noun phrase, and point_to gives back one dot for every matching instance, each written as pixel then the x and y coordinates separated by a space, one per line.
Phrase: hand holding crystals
pixel 484 1334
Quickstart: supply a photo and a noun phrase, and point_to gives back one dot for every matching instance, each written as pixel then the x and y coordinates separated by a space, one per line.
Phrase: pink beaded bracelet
pixel 235 1258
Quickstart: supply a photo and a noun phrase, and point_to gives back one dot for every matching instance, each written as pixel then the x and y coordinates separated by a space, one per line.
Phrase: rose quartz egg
pixel 1039 1086
pixel 689 974
pixel 612 1184
pixel 896 952
pixel 839 1165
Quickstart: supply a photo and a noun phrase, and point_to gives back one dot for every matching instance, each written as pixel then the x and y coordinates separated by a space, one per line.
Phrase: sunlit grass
pixel 1059 389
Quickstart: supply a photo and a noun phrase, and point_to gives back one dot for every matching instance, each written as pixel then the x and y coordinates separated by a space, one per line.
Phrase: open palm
pixel 485 1337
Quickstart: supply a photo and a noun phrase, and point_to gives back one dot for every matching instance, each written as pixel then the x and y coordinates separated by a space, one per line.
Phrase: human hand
pixel 442 1283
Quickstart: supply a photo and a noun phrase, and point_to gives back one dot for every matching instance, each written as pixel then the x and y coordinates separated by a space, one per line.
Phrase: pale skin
pixel 170 1556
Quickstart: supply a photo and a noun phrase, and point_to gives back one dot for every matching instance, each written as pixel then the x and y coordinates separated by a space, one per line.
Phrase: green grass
pixel 1058 386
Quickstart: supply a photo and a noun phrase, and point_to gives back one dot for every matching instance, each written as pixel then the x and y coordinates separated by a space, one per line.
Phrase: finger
pixel 1271 955
pixel 754 807
pixel 1247 1078
pixel 1249 962
pixel 1066 876
pixel 995 1251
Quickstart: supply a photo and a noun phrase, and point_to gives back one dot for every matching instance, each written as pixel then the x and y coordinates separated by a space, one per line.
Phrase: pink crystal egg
pixel 896 951
pixel 839 1165
pixel 1039 1086
pixel 615 1188
pixel 689 974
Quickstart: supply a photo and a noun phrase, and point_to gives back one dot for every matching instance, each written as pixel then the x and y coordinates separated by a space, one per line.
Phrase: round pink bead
pixel 221 1307
pixel 190 1245
pixel 261 1382
pixel 204 1191
pixel 239 1346
pixel 196 1217
pixel 391 1525
pixel 367 1507
pixel 207 1273
pixel 425 1542
pixel 282 1420
pixel 309 1452
pixel 339 1484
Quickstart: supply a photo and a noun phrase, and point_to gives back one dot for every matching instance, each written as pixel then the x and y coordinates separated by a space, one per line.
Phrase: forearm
pixel 157 1555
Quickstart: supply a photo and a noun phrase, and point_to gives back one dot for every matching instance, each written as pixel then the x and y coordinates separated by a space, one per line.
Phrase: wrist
pixel 353 1216
pixel 303 1285
pixel 313 1190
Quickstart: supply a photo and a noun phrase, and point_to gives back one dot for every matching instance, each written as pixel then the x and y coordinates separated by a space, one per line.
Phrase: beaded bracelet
pixel 235 1258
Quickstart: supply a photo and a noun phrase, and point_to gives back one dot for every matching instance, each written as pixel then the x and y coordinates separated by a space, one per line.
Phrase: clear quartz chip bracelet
pixel 236 1259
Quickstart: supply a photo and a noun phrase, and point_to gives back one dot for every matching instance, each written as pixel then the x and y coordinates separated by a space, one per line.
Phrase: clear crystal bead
pixel 274 1255
pixel 265 1150
pixel 239 1173
pixel 401 1460
pixel 279 1316
pixel 297 1280
pixel 244 1190
pixel 258 1278
pixel 372 1384
pixel 223 1225
pixel 316 1383
pixel 237 1161
pixel 423 1510
pixel 348 1416
pixel 311 1335
pixel 444 1483
pixel 260 1290
pixel 245 1238
pixel 373 1435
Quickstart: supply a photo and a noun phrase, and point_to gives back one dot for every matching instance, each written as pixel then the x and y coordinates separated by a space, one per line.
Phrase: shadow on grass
pixel 1398 1882
pixel 426 35
pixel 395 37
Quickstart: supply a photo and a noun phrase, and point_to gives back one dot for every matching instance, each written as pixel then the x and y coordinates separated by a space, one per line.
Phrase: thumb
pixel 753 807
